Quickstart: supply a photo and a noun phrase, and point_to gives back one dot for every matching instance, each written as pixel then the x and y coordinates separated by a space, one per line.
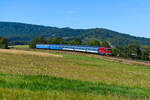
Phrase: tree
pixel 120 51
pixel 115 52
pixel 76 41
pixel 38 40
pixel 94 42
pixel 49 41
pixel 11 43
pixel 145 53
pixel 106 44
pixel 59 40
pixel 3 43
pixel 135 51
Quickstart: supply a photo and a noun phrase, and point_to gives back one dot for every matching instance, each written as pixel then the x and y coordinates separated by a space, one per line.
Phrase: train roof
pixel 72 45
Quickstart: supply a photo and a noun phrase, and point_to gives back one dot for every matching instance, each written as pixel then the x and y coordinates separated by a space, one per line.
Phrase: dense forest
pixel 19 33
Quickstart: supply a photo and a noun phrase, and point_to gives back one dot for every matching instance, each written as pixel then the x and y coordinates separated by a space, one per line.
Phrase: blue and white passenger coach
pixel 90 49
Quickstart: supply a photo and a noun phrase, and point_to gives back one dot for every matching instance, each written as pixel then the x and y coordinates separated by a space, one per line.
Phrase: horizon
pixel 127 17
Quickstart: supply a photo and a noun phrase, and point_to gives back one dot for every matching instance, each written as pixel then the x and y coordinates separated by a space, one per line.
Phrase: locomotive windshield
pixel 109 49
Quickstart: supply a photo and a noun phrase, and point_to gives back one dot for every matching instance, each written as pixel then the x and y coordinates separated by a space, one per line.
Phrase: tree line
pixel 131 51
pixel 59 40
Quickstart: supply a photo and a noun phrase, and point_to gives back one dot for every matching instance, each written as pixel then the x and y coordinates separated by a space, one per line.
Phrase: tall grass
pixel 49 83
pixel 12 94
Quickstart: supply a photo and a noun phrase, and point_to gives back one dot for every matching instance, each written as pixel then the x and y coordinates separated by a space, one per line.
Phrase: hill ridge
pixel 17 31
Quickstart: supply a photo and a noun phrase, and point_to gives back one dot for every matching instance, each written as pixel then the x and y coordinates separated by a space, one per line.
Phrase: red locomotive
pixel 105 51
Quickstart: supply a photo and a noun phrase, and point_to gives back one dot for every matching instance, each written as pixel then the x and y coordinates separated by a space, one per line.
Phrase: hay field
pixel 70 77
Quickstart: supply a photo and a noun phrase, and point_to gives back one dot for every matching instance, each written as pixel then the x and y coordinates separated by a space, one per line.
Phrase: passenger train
pixel 89 49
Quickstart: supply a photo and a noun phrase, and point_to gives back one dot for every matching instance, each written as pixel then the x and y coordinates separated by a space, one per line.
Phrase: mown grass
pixel 47 83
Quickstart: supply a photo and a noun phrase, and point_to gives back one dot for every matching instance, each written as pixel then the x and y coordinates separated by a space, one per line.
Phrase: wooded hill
pixel 27 32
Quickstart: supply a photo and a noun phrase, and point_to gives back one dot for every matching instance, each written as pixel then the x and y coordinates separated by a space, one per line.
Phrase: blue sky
pixel 126 16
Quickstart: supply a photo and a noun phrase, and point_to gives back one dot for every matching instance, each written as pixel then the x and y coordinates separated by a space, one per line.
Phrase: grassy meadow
pixel 71 77
pixel 20 46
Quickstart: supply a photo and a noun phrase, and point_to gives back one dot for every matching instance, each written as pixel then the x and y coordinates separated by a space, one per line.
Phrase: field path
pixel 14 51
pixel 127 61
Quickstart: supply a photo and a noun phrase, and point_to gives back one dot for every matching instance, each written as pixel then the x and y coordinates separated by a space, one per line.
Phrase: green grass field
pixel 71 77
